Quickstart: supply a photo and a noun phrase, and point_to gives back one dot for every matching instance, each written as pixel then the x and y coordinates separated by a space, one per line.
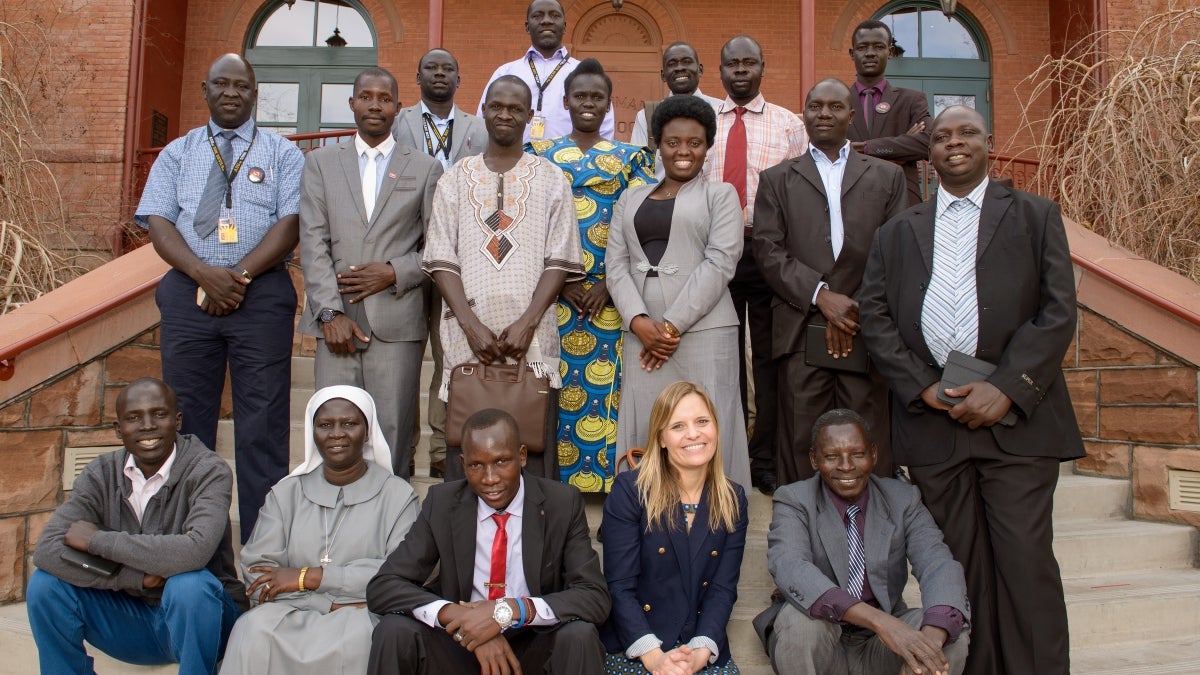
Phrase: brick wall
pixel 1137 410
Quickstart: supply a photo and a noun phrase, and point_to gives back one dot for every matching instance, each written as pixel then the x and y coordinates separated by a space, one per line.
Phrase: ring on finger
pixel 458 637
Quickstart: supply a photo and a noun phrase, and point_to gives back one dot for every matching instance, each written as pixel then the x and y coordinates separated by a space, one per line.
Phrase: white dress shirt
pixel 832 173
pixel 144 488
pixel 385 149
pixel 558 120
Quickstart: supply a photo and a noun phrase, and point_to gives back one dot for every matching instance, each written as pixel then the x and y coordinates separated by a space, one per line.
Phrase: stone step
pixel 1181 657
pixel 1109 610
pixel 1087 548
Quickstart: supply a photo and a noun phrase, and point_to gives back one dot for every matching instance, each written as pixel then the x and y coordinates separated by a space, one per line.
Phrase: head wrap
pixel 375 447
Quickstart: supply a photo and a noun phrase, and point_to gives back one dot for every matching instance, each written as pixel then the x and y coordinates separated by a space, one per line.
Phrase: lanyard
pixel 221 162
pixel 443 141
pixel 549 78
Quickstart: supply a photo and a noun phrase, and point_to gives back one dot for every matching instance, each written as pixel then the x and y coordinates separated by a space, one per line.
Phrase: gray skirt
pixel 707 357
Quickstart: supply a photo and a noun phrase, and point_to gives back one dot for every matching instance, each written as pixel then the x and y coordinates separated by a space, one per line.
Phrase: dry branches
pixel 1121 147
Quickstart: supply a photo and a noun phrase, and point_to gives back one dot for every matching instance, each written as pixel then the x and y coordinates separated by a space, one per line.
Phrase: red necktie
pixel 735 155
pixel 499 557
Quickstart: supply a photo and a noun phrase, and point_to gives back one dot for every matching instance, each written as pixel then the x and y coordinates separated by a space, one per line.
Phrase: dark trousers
pixel 995 511
pixel 544 464
pixel 806 393
pixel 256 342
pixel 402 645
pixel 752 301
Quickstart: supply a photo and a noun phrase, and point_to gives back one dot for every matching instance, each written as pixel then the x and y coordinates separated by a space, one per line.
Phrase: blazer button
pixel 661 550
pixel 704 585
pixel 714 554
pixel 645 608
pixel 922 286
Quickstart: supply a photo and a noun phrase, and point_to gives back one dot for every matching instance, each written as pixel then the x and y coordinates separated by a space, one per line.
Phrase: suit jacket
pixel 702 253
pixel 436 561
pixel 887 135
pixel 467 137
pixel 792 235
pixel 807 550
pixel 336 232
pixel 1027 309
pixel 668 583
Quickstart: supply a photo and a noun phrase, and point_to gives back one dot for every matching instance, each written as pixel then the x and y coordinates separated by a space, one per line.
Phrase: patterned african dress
pixel 590 349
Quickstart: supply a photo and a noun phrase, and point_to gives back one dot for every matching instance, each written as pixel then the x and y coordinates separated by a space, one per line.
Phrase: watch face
pixel 503 613
pixel 326 315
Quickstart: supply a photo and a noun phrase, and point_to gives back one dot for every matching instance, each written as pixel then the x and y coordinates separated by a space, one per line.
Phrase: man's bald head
pixel 230 91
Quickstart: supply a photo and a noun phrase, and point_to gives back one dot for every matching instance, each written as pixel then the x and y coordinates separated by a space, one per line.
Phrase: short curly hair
pixel 686 106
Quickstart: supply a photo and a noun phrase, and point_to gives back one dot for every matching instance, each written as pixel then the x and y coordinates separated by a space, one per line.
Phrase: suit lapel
pixel 832 532
pixel 856 167
pixel 859 124
pixel 416 125
pixel 464 524
pixel 889 96
pixel 458 135
pixel 395 169
pixel 806 166
pixel 349 161
pixel 876 540
pixel 533 533
pixel 996 201
pixel 921 223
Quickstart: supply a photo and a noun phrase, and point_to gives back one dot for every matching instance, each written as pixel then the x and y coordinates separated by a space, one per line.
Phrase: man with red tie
pixel 526 598
pixel 752 135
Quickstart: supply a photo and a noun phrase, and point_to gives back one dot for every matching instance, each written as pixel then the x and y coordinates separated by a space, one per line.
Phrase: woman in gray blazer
pixel 672 249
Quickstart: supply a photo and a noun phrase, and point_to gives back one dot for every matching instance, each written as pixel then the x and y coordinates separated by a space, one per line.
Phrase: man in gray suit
pixel 363 207
pixel 839 549
pixel 446 133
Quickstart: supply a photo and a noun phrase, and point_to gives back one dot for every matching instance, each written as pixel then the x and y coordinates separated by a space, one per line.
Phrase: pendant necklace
pixel 330 539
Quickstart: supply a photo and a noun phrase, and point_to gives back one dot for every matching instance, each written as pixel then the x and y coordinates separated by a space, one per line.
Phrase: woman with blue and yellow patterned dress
pixel 590 328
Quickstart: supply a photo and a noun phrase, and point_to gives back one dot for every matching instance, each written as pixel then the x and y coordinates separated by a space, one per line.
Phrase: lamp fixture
pixel 336 40
pixel 617 4
pixel 949 7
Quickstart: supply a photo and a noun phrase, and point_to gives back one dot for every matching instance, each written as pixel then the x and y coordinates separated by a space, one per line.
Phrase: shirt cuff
pixel 643 645
pixel 820 285
pixel 832 604
pixel 945 617
pixel 707 643
pixel 543 615
pixel 427 614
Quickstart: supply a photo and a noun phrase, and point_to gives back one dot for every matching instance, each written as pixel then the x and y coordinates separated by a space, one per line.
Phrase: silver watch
pixel 503 614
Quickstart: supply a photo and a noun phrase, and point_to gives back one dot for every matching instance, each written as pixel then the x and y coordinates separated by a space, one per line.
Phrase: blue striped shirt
pixel 179 174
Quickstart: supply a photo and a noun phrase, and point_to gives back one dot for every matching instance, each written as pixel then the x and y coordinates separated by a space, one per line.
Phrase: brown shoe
pixel 437 469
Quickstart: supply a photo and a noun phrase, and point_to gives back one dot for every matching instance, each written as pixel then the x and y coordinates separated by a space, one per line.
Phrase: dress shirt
pixel 385 148
pixel 865 101
pixel 940 345
pixel 443 127
pixel 773 134
pixel 831 177
pixel 180 173
pixel 558 120
pixel 144 488
pixel 833 603
pixel 515 585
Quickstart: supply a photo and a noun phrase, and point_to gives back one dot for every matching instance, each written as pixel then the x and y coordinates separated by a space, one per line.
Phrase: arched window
pixel 306 54
pixel 947 58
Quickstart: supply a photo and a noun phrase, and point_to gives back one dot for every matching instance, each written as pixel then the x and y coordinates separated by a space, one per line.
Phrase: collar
pixel 841 504
pixel 945 199
pixel 385 147
pixel 516 507
pixel 859 87
pixel 819 155
pixel 425 109
pixel 244 132
pixel 756 105
pixel 322 492
pixel 558 55
pixel 164 471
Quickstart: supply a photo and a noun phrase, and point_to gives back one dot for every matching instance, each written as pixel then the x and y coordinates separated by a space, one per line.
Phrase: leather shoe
pixel 765 482
pixel 437 469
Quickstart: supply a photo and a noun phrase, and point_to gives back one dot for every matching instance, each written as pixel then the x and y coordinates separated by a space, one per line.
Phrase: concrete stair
pixel 1132 588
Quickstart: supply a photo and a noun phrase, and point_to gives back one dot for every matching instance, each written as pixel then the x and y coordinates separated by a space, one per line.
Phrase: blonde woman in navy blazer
pixel 674 534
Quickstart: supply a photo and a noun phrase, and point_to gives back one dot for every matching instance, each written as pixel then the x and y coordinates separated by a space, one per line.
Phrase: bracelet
pixel 521 607
pixel 671 329
pixel 303 571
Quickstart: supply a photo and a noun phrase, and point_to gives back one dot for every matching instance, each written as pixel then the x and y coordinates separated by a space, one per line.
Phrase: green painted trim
pixel 939 68
pixel 361 57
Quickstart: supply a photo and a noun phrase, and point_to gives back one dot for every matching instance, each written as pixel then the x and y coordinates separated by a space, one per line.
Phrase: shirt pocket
pixel 405 184
pixel 264 193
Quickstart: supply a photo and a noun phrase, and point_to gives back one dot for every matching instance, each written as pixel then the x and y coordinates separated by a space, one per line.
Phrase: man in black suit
pixel 537 607
pixel 816 215
pixel 889 122
pixel 984 270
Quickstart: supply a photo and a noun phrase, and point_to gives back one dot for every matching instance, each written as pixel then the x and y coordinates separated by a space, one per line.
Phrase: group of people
pixel 629 276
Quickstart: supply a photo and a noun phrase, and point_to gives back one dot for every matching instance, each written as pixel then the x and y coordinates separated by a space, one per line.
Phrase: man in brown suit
pixel 816 217
pixel 890 122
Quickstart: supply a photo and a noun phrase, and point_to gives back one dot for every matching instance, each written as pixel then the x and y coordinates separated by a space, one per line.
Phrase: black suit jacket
pixel 1027 312
pixel 792 239
pixel 887 134
pixel 560 565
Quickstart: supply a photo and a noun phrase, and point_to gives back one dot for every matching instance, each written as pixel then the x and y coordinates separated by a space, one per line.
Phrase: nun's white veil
pixel 375 447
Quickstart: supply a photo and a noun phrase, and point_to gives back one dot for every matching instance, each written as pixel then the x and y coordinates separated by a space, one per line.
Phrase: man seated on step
pixel 839 549
pixel 138 561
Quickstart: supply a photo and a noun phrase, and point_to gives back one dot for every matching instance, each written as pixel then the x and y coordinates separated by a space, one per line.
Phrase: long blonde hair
pixel 658 481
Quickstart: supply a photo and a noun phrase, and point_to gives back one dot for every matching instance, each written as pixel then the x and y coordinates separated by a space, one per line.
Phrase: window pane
pixel 347 20
pixel 278 101
pixel 335 104
pixel 288 27
pixel 943 101
pixel 904 29
pixel 282 131
pixel 945 39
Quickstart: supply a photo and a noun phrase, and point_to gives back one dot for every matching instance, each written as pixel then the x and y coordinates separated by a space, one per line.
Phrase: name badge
pixel 883 107
pixel 226 230
pixel 537 128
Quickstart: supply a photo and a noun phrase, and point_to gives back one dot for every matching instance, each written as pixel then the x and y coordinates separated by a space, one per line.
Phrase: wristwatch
pixel 327 315
pixel 503 614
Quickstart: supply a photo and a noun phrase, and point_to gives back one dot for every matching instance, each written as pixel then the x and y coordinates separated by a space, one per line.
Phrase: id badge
pixel 537 128
pixel 226 230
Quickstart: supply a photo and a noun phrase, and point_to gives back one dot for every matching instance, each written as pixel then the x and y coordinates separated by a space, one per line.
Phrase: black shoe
pixel 765 482
pixel 437 469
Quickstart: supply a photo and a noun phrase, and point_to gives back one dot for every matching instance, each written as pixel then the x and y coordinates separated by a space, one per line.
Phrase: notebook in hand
pixel 92 563
pixel 817 356
pixel 963 369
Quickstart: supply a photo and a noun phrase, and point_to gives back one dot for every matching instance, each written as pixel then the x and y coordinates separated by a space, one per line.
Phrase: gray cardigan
pixel 185 526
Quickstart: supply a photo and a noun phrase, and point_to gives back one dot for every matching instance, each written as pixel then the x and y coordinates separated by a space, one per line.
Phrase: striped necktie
pixel 950 314
pixel 208 209
pixel 858 554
